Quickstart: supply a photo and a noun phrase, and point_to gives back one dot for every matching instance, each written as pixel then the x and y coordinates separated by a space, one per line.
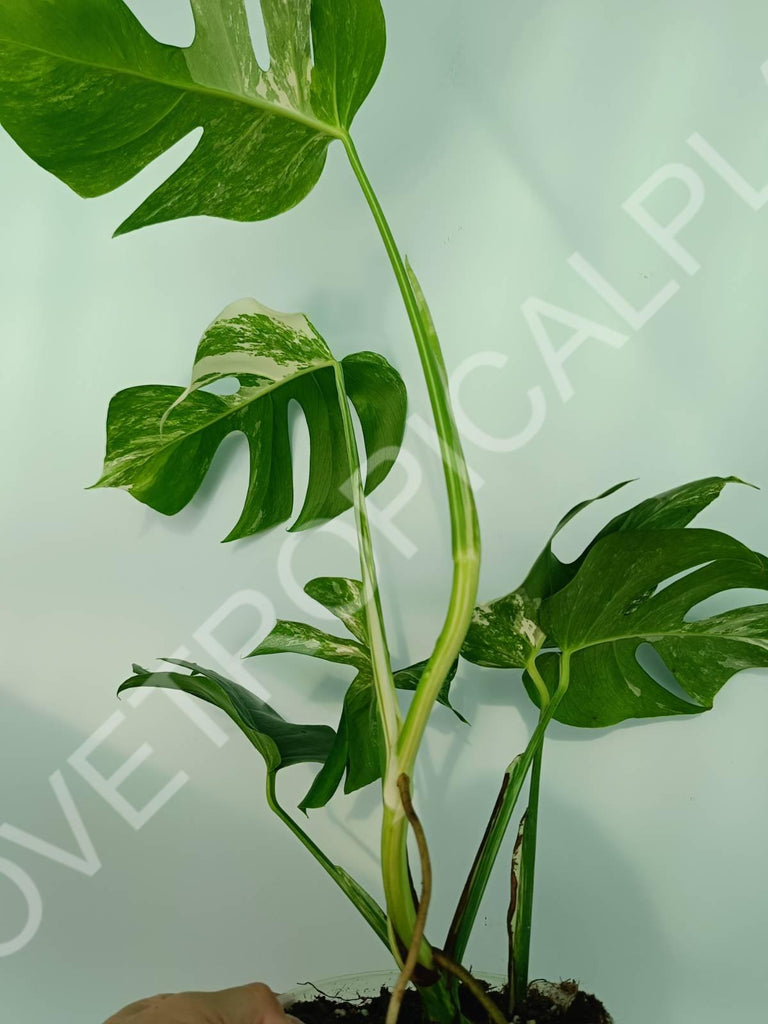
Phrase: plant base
pixel 364 999
pixel 560 1003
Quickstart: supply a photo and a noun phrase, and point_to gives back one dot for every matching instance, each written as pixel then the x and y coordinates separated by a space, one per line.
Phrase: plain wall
pixel 503 136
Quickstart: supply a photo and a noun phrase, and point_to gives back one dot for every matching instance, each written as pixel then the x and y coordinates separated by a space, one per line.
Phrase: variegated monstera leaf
pixel 161 440
pixel 635 587
pixel 92 97
pixel 358 749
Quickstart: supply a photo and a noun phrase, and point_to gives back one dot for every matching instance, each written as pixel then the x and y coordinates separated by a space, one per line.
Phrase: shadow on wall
pixel 594 918
pixel 147 908
pixel 595 922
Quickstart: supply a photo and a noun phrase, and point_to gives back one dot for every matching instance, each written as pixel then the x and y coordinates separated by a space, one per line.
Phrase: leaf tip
pixel 738 480
pixel 238 532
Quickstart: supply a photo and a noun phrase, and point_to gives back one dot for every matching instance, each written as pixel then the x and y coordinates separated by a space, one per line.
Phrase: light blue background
pixel 502 137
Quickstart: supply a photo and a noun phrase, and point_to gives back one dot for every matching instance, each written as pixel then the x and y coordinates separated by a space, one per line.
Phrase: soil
pixel 547 1003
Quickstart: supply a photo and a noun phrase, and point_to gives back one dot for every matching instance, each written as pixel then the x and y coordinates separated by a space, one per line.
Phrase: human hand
pixel 250 1004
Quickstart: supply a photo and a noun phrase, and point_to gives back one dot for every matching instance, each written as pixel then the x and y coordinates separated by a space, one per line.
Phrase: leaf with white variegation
pixel 620 600
pixel 343 598
pixel 92 97
pixel 161 440
pixel 358 748
pixel 505 632
pixel 280 743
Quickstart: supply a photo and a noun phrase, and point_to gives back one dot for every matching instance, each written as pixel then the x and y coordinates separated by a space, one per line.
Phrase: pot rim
pixel 359 985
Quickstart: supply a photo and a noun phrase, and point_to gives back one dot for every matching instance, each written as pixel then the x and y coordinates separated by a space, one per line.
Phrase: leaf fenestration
pixel 505 632
pixel 93 98
pixel 611 602
pixel 161 440
pixel 617 602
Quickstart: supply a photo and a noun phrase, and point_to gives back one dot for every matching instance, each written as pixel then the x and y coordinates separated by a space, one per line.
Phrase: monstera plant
pixel 93 98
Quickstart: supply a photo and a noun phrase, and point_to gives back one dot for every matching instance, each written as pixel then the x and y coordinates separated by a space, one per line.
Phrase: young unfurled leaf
pixel 344 599
pixel 280 743
pixel 161 440
pixel 617 602
pixel 358 748
pixel 505 632
pixel 409 678
pixel 92 97
pixel 289 637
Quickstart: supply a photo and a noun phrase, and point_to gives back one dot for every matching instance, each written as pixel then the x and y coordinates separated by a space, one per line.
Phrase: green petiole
pixel 361 899
pixel 480 872
pixel 465 536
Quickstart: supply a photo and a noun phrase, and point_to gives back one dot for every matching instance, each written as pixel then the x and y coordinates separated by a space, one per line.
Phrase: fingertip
pixel 255 1003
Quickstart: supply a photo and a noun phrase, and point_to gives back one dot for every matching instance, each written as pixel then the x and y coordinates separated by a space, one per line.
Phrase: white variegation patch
pixel 92 96
pixel 297 322
pixel 235 364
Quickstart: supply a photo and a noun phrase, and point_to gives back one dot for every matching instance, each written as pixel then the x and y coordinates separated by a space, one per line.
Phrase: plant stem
pixel 514 891
pixel 520 935
pixel 361 899
pixel 396 999
pixel 465 542
pixel 477 990
pixel 477 881
pixel 377 640
pixel 400 906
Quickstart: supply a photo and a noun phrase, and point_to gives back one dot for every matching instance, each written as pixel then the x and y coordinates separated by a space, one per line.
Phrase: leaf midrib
pixel 229 412
pixel 194 87
pixel 650 637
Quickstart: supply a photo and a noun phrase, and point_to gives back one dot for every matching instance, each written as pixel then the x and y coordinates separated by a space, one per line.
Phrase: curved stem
pixel 465 546
pixel 465 542
pixel 362 900
pixel 396 999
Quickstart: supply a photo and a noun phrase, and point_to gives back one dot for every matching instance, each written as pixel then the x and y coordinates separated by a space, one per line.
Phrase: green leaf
pixel 617 601
pixel 280 743
pixel 548 573
pixel 359 741
pixel 358 748
pixel 161 440
pixel 409 678
pixel 505 632
pixel 383 423
pixel 344 599
pixel 92 97
pixel 328 779
pixel 288 637
pixel 349 38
